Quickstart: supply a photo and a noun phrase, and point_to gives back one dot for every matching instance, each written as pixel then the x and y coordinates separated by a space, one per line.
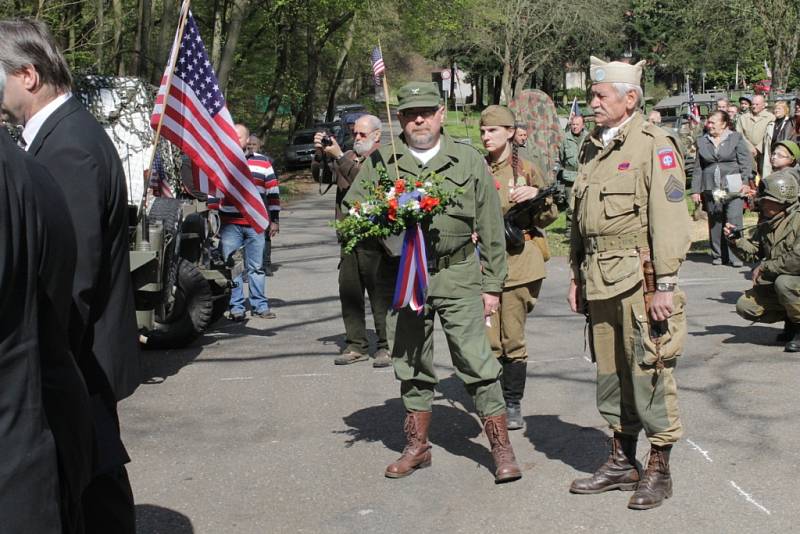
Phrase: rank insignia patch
pixel 673 189
pixel 666 158
pixel 624 166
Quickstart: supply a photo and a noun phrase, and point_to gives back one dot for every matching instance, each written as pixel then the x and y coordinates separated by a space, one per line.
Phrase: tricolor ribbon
pixel 412 279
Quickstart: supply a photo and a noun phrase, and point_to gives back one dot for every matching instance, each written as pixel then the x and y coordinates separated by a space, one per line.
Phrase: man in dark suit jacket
pixel 45 413
pixel 67 140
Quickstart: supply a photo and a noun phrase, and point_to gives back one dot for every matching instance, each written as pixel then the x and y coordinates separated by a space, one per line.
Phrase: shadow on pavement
pixel 582 448
pixel 755 334
pixel 152 519
pixel 452 428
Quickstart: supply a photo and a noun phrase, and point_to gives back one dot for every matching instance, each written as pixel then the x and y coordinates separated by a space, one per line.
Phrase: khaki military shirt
pixel 628 196
pixel 527 264
pixel 568 154
pixel 776 245
pixel 477 209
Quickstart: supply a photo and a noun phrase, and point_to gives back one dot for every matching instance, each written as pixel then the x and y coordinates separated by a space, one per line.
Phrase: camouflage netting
pixel 536 109
pixel 123 106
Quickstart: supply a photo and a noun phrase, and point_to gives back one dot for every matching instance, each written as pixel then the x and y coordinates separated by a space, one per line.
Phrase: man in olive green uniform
pixel 568 159
pixel 517 180
pixel 464 285
pixel 358 270
pixel 629 209
pixel 775 295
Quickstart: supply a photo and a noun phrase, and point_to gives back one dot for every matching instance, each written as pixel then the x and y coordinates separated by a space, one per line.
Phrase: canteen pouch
pixel 671 342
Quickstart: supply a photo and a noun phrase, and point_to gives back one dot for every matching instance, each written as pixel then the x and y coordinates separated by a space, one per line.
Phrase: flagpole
pixel 173 57
pixel 389 113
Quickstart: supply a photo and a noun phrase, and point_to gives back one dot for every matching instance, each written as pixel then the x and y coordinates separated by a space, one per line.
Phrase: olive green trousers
pixel 771 303
pixel 411 342
pixel 631 394
pixel 507 331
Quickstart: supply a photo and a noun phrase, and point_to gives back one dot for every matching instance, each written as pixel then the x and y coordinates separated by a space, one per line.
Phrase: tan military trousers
pixel 507 332
pixel 771 303
pixel 631 393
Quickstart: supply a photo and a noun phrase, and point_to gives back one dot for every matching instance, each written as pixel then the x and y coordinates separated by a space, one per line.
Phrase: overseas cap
pixel 793 148
pixel 497 116
pixel 418 95
pixel 615 71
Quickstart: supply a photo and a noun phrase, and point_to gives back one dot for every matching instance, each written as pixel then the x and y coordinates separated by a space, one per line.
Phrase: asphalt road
pixel 254 430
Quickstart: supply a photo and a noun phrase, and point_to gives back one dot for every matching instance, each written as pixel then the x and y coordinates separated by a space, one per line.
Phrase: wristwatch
pixel 665 287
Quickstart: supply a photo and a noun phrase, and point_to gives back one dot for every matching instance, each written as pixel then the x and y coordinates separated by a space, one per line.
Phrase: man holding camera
pixel 358 270
pixel 775 295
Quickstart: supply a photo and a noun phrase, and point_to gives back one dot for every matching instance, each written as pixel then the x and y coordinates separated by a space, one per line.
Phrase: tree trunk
pixel 497 89
pixel 100 44
pixel 169 24
pixel 783 58
pixel 479 91
pixel 216 39
pixel 238 11
pixel 286 34
pixel 116 39
pixel 506 79
pixel 141 46
pixel 305 116
pixel 340 65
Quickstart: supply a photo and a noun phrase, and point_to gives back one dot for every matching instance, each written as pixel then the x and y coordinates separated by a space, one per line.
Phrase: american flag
pixel 694 109
pixel 159 182
pixel 378 67
pixel 574 110
pixel 196 120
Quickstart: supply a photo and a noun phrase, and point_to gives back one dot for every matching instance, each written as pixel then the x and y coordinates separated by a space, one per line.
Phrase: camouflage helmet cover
pixel 780 187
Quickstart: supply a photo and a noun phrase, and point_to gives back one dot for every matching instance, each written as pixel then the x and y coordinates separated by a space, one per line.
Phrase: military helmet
pixel 780 187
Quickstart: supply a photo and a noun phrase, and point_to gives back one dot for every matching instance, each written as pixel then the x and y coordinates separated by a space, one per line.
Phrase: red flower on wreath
pixel 400 186
pixel 428 203
pixel 417 184
pixel 392 214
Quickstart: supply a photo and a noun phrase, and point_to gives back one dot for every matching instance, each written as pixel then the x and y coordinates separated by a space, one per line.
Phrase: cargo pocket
pixel 671 342
pixel 619 195
pixel 617 265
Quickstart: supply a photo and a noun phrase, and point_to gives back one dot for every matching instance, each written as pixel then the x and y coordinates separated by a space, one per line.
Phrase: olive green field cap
pixel 497 116
pixel 418 95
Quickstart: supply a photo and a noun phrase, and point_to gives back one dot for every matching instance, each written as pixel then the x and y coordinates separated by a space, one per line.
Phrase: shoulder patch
pixel 666 158
pixel 673 189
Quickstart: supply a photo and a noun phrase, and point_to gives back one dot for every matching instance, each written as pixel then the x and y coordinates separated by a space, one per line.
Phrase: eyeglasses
pixel 362 134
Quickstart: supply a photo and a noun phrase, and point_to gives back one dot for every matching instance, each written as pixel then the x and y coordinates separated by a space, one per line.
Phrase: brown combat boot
pixel 506 468
pixel 656 484
pixel 619 471
pixel 417 452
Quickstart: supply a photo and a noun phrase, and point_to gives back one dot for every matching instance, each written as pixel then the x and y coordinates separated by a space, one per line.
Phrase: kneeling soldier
pixel 775 295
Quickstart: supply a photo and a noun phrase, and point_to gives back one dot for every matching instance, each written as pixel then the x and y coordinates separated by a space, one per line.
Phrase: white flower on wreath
pixel 354 212
pixel 391 194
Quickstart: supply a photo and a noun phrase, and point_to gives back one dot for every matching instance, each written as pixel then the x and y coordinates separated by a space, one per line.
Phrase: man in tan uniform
pixel 629 209
pixel 753 126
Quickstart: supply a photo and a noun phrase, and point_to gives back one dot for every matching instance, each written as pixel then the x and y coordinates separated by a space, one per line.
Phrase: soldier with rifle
pixel 518 183
pixel 630 227
pixel 775 295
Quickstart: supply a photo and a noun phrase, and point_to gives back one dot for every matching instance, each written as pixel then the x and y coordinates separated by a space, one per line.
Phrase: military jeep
pixel 181 282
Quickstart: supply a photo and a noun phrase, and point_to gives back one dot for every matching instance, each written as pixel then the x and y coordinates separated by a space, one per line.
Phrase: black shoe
pixel 786 334
pixel 267 270
pixel 794 343
pixel 236 317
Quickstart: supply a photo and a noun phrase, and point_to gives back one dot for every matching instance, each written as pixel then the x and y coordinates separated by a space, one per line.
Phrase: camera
pixel 326 140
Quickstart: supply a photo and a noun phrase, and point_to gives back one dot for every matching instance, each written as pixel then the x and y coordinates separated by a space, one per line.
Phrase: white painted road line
pixel 236 378
pixel 749 499
pixel 306 374
pixel 588 359
pixel 696 447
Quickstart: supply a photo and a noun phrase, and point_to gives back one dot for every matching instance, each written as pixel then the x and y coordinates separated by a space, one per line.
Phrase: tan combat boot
pixel 656 484
pixel 506 468
pixel 417 452
pixel 619 471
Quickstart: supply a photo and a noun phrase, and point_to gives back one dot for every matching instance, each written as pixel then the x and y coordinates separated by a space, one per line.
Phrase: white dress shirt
pixel 35 123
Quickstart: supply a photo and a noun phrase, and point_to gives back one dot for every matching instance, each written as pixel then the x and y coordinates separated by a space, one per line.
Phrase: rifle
pixel 514 236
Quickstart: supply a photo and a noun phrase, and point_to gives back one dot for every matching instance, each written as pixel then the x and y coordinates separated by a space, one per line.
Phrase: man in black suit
pixel 45 414
pixel 68 141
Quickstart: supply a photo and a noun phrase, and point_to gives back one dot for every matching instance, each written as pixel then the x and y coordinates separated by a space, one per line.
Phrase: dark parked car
pixel 300 150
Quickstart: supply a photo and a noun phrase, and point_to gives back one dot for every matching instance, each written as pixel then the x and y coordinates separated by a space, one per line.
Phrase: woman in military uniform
pixel 516 180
